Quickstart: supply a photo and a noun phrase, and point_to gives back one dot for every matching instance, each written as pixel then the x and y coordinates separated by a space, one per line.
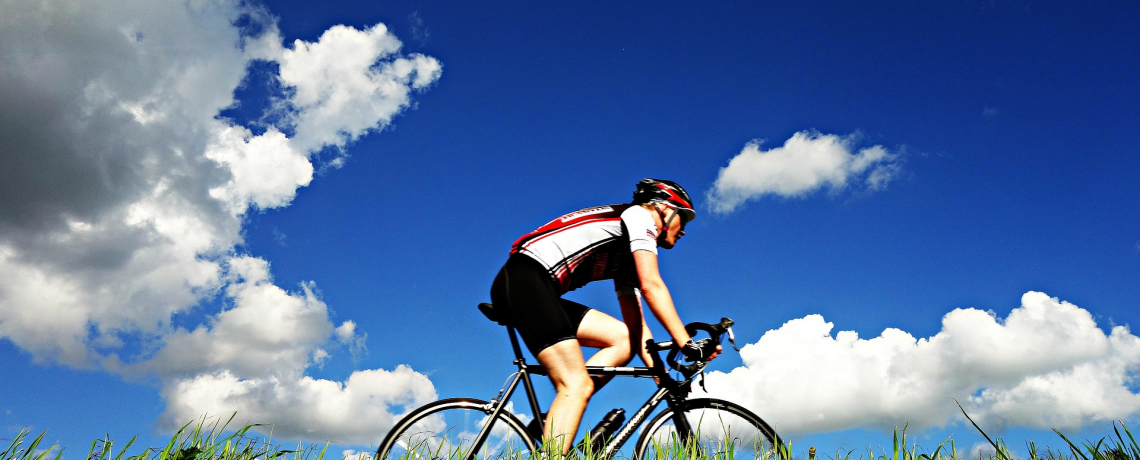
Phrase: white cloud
pixel 807 162
pixel 265 170
pixel 123 196
pixel 267 330
pixel 346 334
pixel 982 450
pixel 350 454
pixel 346 331
pixel 336 80
pixel 358 411
pixel 1046 365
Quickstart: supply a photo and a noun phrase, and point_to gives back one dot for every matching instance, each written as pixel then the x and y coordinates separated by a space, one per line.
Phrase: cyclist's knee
pixel 621 346
pixel 621 337
pixel 577 386
pixel 585 389
pixel 584 386
pixel 627 356
pixel 623 353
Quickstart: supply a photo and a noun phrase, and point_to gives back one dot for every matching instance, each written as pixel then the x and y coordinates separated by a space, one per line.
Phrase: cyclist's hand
pixel 716 353
pixel 700 350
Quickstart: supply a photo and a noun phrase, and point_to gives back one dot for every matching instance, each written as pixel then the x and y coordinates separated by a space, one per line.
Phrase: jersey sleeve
pixel 642 231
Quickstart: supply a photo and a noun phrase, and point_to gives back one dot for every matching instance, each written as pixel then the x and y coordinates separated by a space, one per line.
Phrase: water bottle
pixel 597 437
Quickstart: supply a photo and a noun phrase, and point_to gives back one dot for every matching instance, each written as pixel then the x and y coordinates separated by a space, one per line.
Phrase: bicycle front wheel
pixel 448 427
pixel 710 428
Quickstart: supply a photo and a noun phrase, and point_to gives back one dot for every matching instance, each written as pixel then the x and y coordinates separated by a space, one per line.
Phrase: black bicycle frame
pixel 669 390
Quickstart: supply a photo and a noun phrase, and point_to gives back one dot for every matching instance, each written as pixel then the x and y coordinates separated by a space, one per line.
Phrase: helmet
pixel 665 191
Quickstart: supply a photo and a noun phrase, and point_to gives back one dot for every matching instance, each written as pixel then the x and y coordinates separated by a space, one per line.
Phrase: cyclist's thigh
pixel 527 291
pixel 600 330
pixel 565 364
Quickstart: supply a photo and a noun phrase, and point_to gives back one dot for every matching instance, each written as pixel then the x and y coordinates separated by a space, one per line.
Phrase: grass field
pixel 210 442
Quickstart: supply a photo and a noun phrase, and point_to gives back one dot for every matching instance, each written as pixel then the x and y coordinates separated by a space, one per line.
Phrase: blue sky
pixel 175 227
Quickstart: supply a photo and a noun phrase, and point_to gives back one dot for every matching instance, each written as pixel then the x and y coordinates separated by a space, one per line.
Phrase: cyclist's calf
pixel 567 371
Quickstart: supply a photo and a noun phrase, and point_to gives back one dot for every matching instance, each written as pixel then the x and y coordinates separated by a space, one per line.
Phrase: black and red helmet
pixel 665 191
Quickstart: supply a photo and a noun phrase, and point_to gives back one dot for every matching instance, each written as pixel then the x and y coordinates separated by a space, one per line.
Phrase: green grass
pixel 205 441
pixel 1119 446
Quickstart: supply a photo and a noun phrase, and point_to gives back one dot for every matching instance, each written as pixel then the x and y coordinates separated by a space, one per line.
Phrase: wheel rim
pixel 449 431
pixel 719 431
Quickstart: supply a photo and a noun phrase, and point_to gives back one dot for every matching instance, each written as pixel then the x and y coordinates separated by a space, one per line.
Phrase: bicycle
pixel 470 428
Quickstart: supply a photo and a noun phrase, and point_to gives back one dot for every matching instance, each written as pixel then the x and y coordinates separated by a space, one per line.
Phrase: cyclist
pixel 617 242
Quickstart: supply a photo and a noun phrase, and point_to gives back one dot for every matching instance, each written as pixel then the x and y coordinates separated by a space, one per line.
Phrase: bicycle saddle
pixel 497 316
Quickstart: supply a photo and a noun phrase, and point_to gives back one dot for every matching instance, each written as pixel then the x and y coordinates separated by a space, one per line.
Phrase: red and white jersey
pixel 591 244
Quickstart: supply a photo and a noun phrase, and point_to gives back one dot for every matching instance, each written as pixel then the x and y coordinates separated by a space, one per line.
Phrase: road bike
pixel 469 428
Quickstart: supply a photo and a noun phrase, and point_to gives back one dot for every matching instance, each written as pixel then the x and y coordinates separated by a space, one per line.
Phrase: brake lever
pixel 732 338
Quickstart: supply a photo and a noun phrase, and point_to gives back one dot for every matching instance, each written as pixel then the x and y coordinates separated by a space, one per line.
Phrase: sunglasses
pixel 676 212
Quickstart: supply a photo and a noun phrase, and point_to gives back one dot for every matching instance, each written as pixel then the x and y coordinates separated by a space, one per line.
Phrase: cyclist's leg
pixel 599 330
pixel 567 369
pixel 527 291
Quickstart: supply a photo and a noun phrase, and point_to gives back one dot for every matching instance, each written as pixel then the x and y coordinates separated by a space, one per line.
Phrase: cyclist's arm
pixel 634 318
pixel 657 295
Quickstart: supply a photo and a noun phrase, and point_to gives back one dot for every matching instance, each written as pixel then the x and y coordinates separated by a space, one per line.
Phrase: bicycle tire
pixel 720 426
pixel 443 429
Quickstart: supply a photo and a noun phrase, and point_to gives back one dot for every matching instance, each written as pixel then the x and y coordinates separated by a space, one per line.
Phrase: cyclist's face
pixel 674 231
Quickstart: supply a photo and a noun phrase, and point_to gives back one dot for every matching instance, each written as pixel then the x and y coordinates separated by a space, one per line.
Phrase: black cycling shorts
pixel 525 292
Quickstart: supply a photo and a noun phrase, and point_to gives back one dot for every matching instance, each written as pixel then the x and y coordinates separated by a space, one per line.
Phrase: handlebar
pixel 715 332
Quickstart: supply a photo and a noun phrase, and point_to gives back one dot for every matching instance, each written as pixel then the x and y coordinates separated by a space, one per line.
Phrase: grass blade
pixel 999 451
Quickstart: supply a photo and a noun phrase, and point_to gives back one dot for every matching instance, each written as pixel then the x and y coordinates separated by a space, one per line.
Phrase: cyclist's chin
pixel 666 244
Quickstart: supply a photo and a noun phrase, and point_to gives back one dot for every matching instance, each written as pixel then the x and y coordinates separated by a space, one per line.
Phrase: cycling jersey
pixel 591 244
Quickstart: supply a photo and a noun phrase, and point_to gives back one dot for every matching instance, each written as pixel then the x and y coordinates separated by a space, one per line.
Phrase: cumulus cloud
pixel 268 330
pixel 123 193
pixel 346 334
pixel 335 80
pixel 252 360
pixel 1046 365
pixel 807 162
pixel 357 411
pixel 265 170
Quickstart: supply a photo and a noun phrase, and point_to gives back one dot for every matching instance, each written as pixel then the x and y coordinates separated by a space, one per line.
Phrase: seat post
pixel 515 343
pixel 531 397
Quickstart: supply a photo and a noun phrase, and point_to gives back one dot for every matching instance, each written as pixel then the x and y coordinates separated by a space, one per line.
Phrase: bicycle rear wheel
pixel 717 429
pixel 447 428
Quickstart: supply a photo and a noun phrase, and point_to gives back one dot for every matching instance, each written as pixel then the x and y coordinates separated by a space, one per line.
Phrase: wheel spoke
pixel 719 431
pixel 447 429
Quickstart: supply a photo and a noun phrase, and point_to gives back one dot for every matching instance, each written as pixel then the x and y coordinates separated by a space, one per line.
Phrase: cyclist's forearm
pixel 657 295
pixel 637 337
pixel 634 319
pixel 661 304
pixel 641 349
